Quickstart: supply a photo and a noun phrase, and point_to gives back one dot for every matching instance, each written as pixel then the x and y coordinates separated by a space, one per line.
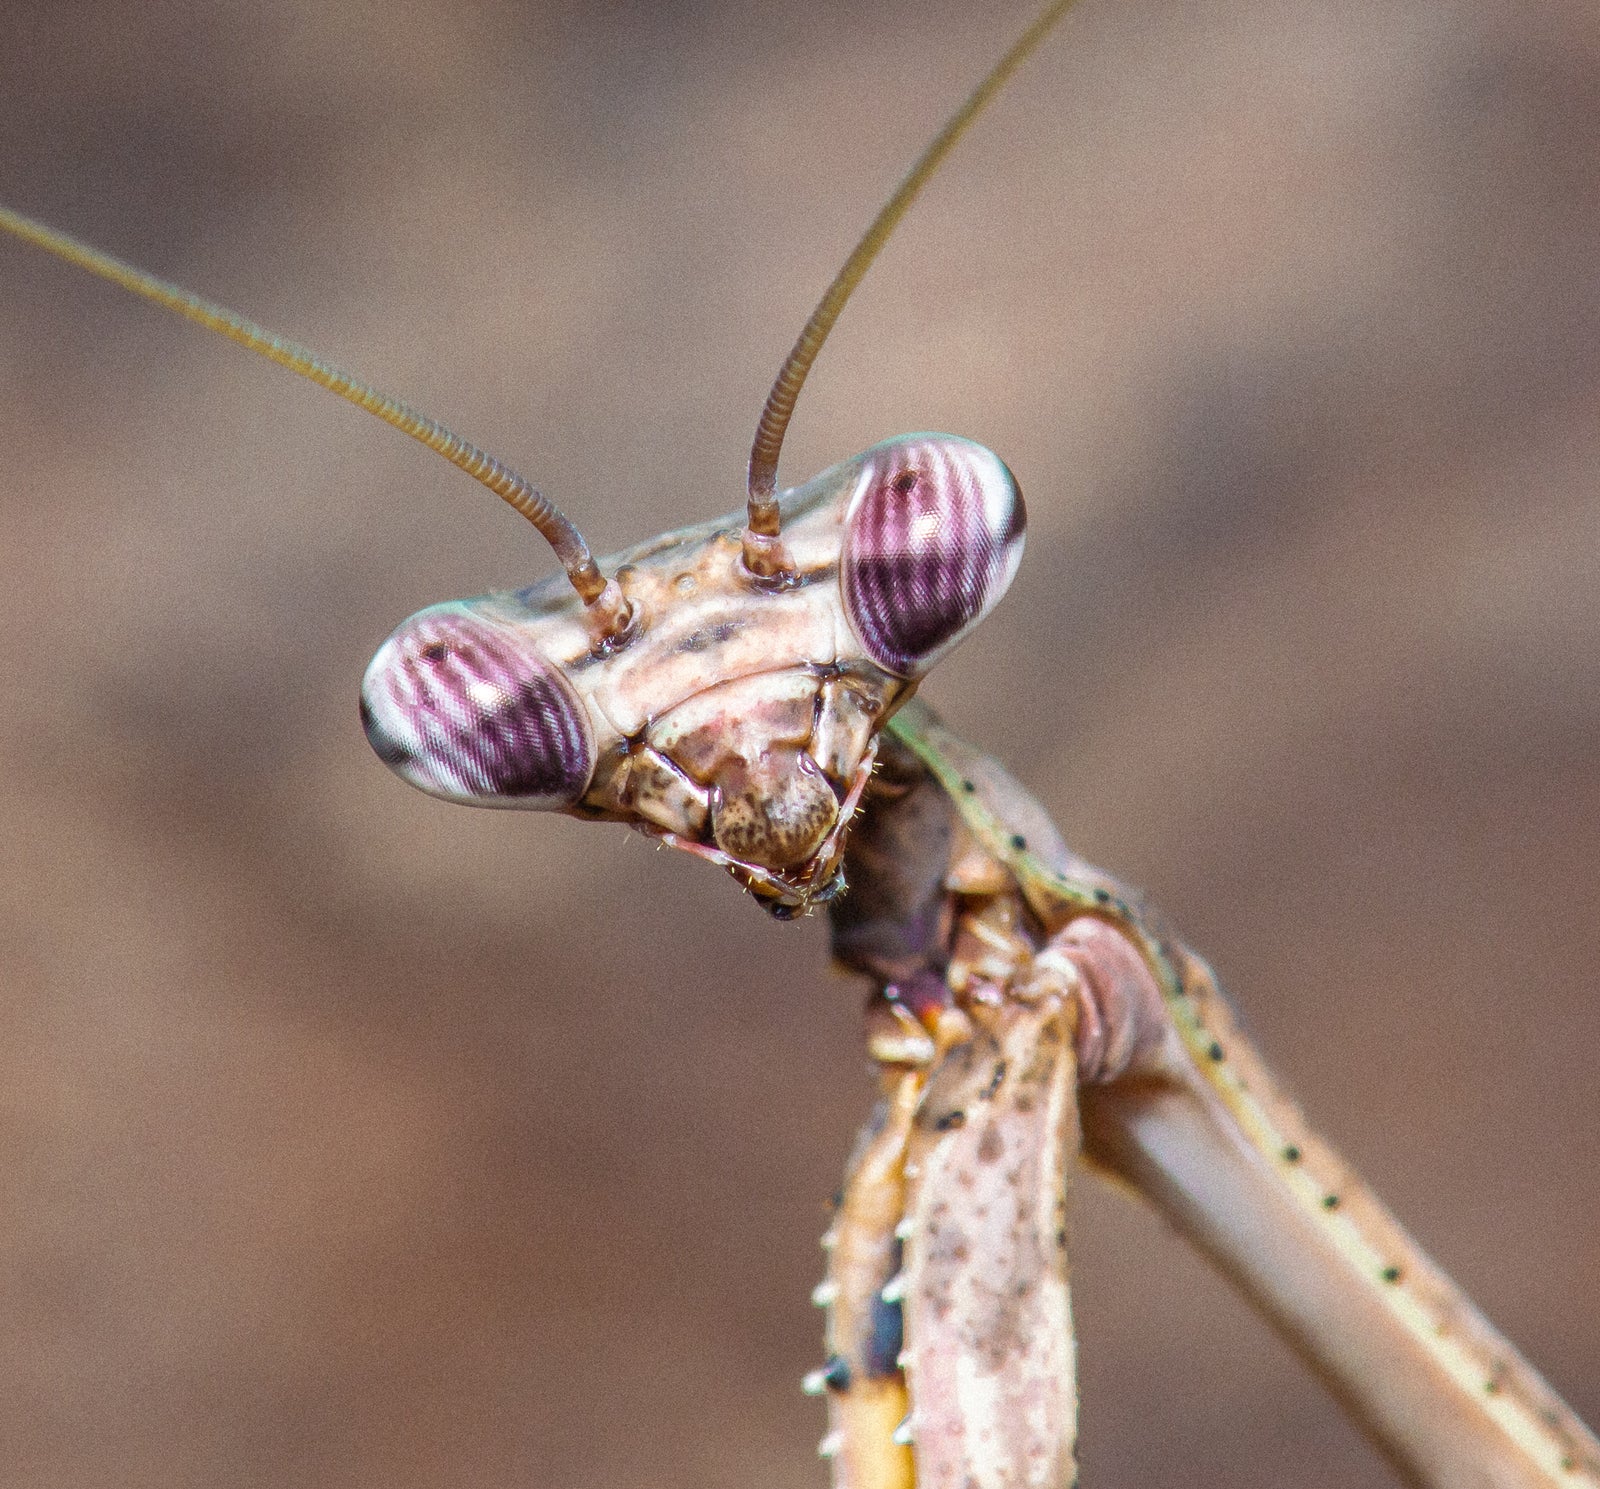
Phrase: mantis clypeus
pixel 922 736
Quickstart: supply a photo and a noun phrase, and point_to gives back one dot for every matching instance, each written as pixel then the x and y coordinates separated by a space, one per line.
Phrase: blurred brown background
pixel 351 1139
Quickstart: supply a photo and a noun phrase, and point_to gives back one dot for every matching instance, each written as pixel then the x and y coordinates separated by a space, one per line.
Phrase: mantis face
pixel 735 717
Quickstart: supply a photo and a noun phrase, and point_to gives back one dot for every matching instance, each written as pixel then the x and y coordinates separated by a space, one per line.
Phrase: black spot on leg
pixel 969 788
pixel 885 1335
pixel 1215 1052
pixel 1330 1202
pixel 836 1374
pixel 1019 842
pixel 950 1121
pixel 1291 1154
pixel 1390 1274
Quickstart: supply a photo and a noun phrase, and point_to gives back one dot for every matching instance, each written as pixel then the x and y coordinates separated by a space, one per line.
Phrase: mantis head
pixel 736 717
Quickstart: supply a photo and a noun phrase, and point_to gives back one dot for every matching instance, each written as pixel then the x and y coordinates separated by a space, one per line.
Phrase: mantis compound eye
pixel 454 704
pixel 933 537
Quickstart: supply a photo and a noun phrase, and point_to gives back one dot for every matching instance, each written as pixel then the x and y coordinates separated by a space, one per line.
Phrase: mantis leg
pixel 990 1352
pixel 951 1360
pixel 1189 1115
pixel 1445 1396
pixel 867 1397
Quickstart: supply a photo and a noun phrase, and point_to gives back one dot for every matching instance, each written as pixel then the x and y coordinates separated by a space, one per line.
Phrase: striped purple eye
pixel 933 537
pixel 453 703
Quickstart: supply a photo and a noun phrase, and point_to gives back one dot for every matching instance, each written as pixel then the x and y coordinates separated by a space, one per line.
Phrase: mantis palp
pixel 1036 495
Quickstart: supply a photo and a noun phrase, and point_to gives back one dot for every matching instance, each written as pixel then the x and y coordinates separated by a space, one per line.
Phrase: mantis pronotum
pixel 514 568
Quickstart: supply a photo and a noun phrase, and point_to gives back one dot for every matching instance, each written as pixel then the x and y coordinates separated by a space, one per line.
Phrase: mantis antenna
pixel 763 552
pixel 602 596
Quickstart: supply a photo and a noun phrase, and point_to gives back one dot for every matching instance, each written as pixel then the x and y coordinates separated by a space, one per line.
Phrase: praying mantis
pixel 176 539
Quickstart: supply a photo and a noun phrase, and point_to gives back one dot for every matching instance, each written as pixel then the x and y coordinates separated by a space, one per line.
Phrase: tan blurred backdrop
pixel 351 1139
